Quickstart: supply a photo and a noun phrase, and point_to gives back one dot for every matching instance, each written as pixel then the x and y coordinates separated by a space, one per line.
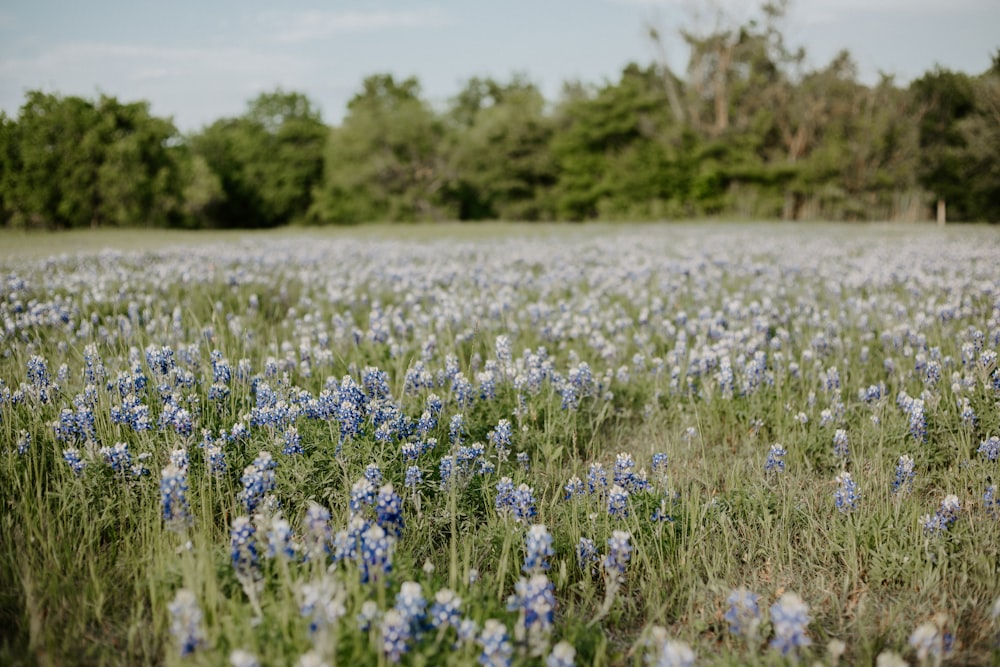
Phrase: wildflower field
pixel 662 445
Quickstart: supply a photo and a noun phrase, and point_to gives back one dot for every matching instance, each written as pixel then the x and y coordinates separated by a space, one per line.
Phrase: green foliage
pixel 267 163
pixel 385 162
pixel 749 130
pixel 72 163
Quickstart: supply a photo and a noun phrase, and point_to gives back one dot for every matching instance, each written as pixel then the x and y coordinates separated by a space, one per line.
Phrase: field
pixel 669 445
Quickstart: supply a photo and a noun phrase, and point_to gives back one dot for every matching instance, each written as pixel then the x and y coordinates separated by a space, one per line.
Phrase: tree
pixel 501 163
pixel 267 161
pixel 386 161
pixel 72 163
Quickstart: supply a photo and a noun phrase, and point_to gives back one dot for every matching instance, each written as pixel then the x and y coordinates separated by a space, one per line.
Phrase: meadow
pixel 614 445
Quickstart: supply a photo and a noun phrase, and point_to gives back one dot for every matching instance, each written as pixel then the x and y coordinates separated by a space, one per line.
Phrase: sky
pixel 200 60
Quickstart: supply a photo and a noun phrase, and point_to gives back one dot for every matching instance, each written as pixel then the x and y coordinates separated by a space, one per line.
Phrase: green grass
pixel 89 567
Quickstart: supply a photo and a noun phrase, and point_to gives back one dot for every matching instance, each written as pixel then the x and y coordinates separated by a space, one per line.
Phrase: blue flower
pixel 537 549
pixel 185 622
pixel 535 600
pixel 775 463
pixel 840 448
pixel 446 610
pixel 574 487
pixel 389 511
pixel 76 464
pixel 789 616
pixel 619 553
pixel 905 475
pixel 586 554
pixel 847 495
pixel 292 442
pixel 990 448
pixel 743 614
pixel 497 650
pixel 597 478
pixel 414 477
pixel 943 518
pixel 563 655
pixel 243 548
pixel 618 502
pixel 173 497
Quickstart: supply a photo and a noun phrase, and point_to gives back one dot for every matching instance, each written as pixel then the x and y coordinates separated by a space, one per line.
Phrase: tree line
pixel 747 131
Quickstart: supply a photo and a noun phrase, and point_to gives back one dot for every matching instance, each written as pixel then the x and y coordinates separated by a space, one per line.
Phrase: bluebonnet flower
pixel 914 409
pixel 523 461
pixel 72 457
pixel 179 457
pixel 185 622
pixel 535 601
pixel 433 405
pixel 456 428
pixel 362 494
pixel 847 495
pixel 375 554
pixel 410 603
pixel 618 555
pixel 322 603
pixel 597 478
pixel 840 448
pixel 316 530
pixel 775 463
pixel 563 655
pixel 426 424
pixel 410 450
pixel 396 635
pixel 991 503
pixel 257 481
pixel 660 461
pixel 446 610
pixel 743 614
pixel 373 474
pixel 537 549
pixel 349 416
pixel 38 372
pixel 967 414
pixel 292 442
pixel 570 399
pixel 367 615
pixel 414 477
pixel 215 460
pixel 389 511
pixel 462 390
pixel 23 443
pixel 375 382
pixel 519 502
pixel 905 474
pixel 243 548
pixel 618 502
pixel 173 497
pixel 446 468
pixel 586 554
pixel 117 457
pixel 943 518
pixel 279 539
pixel 94 370
pixel 669 652
pixel 990 448
pixel 929 642
pixel 789 616
pixel 500 438
pixel 497 649
pixel 574 487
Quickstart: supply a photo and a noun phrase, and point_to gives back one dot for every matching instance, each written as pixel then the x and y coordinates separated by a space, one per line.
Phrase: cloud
pixel 294 27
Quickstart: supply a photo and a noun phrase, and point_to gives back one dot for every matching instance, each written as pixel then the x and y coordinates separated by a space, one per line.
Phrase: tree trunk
pixel 941 215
